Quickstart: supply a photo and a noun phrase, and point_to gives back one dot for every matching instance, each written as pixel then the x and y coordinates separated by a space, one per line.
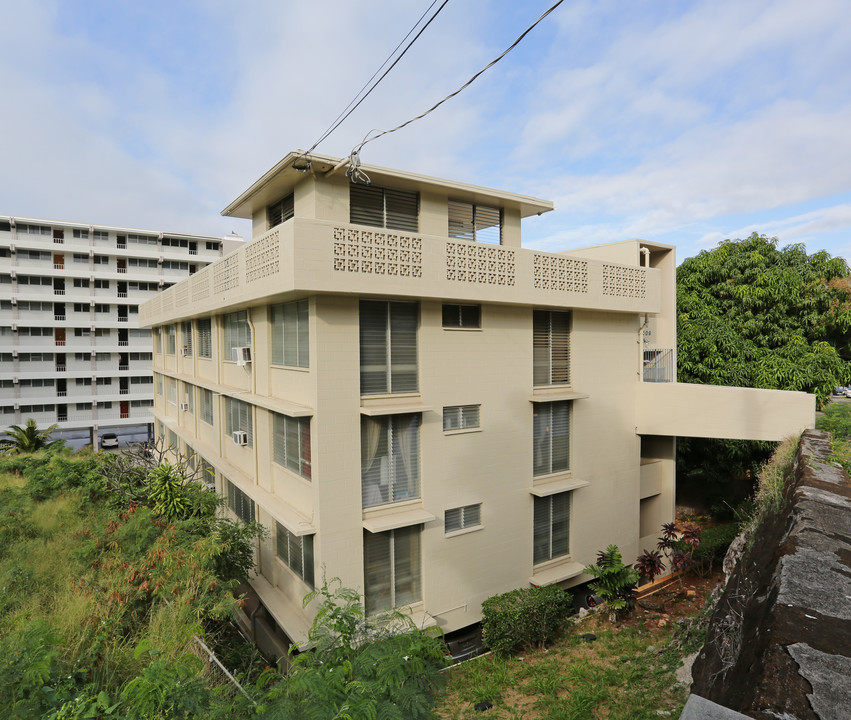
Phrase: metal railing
pixel 658 365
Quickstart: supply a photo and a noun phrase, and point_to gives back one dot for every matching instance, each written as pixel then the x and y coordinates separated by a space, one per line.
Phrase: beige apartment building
pixel 410 401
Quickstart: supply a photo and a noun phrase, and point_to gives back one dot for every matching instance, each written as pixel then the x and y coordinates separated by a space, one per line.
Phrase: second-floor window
pixel 384 207
pixel 207 406
pixel 390 459
pixel 551 437
pixel 291 444
pixel 187 337
pixel 170 340
pixel 551 347
pixel 290 338
pixel 475 222
pixel 388 347
pixel 280 211
pixel 205 338
pixel 239 418
pixel 237 333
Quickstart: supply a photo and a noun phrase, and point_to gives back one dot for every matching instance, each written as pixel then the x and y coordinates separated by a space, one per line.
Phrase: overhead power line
pixel 361 96
pixel 354 159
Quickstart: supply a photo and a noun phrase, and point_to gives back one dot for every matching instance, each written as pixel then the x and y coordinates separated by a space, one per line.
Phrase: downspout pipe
pixel 646 253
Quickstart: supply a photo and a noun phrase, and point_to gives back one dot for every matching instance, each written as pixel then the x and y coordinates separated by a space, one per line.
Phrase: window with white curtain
pixel 461 518
pixel 291 443
pixel 392 568
pixel 290 338
pixel 239 418
pixel 551 347
pixel 551 437
pixel 237 333
pixel 390 459
pixel 388 347
pixel 551 537
pixel 296 551
pixel 205 338
pixel 479 223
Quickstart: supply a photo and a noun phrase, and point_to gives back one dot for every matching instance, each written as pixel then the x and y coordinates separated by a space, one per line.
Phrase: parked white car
pixel 108 440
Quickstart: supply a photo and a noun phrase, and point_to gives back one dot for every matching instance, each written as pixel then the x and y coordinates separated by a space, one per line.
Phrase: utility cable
pixel 355 102
pixel 354 159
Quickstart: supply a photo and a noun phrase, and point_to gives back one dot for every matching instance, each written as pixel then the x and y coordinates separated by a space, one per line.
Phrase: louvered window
pixel 240 503
pixel 475 222
pixel 207 406
pixel 291 444
pixel 189 397
pixel 460 417
pixel 390 459
pixel 296 552
pixel 551 435
pixel 239 418
pixel 551 347
pixel 551 537
pixel 170 339
pixel 187 337
pixel 290 335
pixel 171 389
pixel 388 347
pixel 462 316
pixel 205 338
pixel 384 207
pixel 280 211
pixel 237 333
pixel 391 562
pixel 461 518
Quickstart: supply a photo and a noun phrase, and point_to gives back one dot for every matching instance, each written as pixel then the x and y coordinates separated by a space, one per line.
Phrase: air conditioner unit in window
pixel 242 355
pixel 240 437
pixel 184 406
pixel 14 301
pixel 184 352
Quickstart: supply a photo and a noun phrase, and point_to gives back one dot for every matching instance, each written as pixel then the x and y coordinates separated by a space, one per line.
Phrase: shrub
pixel 714 542
pixel 614 580
pixel 649 565
pixel 524 618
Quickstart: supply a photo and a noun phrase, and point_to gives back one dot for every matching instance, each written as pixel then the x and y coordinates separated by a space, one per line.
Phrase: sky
pixel 677 122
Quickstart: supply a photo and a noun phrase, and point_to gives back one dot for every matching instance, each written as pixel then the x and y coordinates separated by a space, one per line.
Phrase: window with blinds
pixel 291 443
pixel 187 337
pixel 290 335
pixel 551 538
pixel 392 574
pixel 550 347
pixel 208 472
pixel 551 437
pixel 170 339
pixel 239 418
pixel 461 518
pixel 384 207
pixel 280 211
pixel 296 552
pixel 189 397
pixel 388 347
pixel 462 316
pixel 460 417
pixel 207 405
pixel 159 380
pixel 237 333
pixel 390 459
pixel 205 338
pixel 171 389
pixel 240 503
pixel 479 223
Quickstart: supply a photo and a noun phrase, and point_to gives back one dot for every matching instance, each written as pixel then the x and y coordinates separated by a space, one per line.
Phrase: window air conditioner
pixel 184 352
pixel 184 406
pixel 14 353
pixel 242 355
pixel 14 301
pixel 240 437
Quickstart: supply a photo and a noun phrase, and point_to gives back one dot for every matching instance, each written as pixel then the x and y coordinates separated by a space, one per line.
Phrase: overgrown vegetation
pixel 525 618
pixel 613 581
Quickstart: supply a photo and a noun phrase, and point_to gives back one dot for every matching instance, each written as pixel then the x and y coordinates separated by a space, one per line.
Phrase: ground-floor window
pixel 552 527
pixel 296 552
pixel 392 568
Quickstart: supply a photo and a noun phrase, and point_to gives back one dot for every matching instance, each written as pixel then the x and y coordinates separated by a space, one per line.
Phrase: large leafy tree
pixel 752 314
pixel 27 438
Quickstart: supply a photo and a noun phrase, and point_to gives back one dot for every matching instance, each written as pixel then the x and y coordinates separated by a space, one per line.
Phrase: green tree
pixel 27 439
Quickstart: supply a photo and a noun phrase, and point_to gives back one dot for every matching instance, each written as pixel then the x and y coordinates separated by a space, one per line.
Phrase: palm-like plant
pixel 27 438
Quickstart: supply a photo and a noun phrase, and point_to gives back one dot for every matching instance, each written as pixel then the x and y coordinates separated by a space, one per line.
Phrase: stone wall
pixel 779 641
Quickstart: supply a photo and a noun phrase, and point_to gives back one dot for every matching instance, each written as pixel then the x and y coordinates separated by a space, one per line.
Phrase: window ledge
pixel 462 431
pixel 557 484
pixel 393 405
pixel 554 394
pixel 462 329
pixel 377 521
pixel 551 574
pixel 464 531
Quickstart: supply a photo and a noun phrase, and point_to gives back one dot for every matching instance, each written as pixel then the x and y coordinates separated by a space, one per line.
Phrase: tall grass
pixel 769 497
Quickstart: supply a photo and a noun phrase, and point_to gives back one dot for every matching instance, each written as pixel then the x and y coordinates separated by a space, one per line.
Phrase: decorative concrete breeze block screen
pixel 377 253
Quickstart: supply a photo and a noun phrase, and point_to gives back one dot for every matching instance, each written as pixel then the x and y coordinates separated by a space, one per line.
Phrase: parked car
pixel 848 393
pixel 839 391
pixel 108 440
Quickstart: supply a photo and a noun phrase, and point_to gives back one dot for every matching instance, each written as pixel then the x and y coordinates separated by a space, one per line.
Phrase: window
pixel 205 338
pixel 159 385
pixel 170 339
pixel 383 207
pixel 281 211
pixel 240 503
pixel 101 284
pixel 296 552
pixel 462 517
pixel 81 234
pixel 189 397
pixel 462 316
pixel 187 337
pixel 460 417
pixel 100 260
pixel 551 537
pixel 171 388
pixel 237 333
pixel 209 245
pixel 475 222
pixel 388 347
pixel 81 283
pixel 550 347
pixel 290 338
pixel 292 444
pixel 156 335
pixel 390 459
pixel 207 406
pixel 551 434
pixel 391 562
pixel 208 472
pixel 239 418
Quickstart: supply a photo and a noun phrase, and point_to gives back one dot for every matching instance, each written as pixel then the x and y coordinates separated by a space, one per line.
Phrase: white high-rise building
pixel 71 350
